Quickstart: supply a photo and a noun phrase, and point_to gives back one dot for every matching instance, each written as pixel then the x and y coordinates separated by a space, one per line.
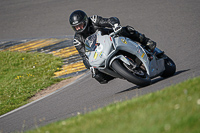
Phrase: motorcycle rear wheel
pixel 170 68
pixel 142 81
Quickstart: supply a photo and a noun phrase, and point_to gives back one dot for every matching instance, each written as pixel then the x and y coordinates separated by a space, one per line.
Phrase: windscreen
pixel 90 42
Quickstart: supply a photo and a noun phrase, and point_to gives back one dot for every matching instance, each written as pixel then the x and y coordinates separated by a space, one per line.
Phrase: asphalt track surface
pixel 173 24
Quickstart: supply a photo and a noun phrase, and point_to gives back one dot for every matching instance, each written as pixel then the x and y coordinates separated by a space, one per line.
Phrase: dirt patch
pixel 53 88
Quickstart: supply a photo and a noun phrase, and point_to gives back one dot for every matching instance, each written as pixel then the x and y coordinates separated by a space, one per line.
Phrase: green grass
pixel 175 109
pixel 24 74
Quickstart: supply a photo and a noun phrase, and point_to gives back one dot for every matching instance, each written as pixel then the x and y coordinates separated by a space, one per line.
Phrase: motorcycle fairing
pixel 153 67
pixel 98 56
pixel 106 48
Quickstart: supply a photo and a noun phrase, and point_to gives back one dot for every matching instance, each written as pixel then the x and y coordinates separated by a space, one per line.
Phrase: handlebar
pixel 114 33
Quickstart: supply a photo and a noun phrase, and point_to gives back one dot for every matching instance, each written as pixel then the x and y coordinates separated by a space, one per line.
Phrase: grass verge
pixel 175 109
pixel 24 74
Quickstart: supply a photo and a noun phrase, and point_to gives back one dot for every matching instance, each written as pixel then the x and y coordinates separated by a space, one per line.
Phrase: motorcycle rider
pixel 84 26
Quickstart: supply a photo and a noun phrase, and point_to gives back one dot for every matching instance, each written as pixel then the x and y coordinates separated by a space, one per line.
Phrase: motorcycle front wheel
pixel 136 76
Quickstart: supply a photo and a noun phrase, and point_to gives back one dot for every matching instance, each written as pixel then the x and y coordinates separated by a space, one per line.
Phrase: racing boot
pixel 100 77
pixel 151 45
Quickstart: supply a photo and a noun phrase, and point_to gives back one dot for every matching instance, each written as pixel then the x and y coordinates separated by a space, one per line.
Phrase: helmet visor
pixel 79 26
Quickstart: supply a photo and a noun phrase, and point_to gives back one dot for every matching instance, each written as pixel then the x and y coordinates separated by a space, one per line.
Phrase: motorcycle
pixel 121 57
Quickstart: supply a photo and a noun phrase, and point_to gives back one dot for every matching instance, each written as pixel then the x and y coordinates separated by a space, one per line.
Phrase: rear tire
pixel 130 76
pixel 170 68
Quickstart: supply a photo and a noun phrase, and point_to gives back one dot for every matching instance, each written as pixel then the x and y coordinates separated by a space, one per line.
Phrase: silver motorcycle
pixel 121 57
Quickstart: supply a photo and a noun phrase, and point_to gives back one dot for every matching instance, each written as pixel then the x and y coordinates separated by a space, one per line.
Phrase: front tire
pixel 144 80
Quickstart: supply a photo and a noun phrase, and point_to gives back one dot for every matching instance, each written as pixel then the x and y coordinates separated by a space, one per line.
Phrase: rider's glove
pixel 117 28
pixel 86 62
pixel 151 45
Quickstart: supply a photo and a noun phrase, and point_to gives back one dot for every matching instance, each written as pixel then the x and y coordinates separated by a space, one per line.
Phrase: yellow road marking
pixel 42 44
pixel 38 45
pixel 67 69
pixel 64 53
pixel 12 48
pixel 28 45
pixel 69 54
pixel 31 45
pixel 64 50
pixel 77 64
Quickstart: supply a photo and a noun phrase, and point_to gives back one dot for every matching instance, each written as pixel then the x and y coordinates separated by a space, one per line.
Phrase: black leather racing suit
pixel 98 22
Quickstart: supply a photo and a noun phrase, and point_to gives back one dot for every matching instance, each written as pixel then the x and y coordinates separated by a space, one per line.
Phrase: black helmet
pixel 78 20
